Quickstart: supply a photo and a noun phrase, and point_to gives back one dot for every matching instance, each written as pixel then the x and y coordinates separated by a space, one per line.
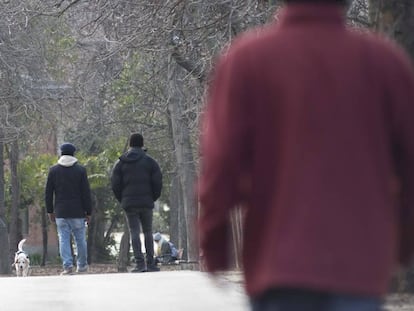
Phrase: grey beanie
pixel 157 236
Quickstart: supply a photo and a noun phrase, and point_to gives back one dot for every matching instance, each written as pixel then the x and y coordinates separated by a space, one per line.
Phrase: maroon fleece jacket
pixel 309 126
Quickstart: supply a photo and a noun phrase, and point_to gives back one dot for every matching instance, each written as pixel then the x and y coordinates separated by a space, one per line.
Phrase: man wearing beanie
pixel 68 203
pixel 137 182
pixel 166 251
pixel 309 127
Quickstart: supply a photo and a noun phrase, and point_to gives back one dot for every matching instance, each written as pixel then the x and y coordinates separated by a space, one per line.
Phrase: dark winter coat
pixel 307 124
pixel 67 191
pixel 136 180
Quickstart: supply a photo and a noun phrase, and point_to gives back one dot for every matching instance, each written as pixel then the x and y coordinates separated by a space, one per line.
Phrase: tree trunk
pixel 123 259
pixel 4 235
pixel 178 224
pixel 182 221
pixel 184 157
pixel 236 217
pixel 182 227
pixel 112 226
pixel 174 206
pixel 44 227
pixel 96 232
pixel 15 232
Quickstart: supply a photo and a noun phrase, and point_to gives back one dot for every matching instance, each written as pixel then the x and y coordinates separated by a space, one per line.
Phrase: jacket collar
pixel 316 13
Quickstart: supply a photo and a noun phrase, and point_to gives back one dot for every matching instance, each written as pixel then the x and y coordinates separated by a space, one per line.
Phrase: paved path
pixel 160 291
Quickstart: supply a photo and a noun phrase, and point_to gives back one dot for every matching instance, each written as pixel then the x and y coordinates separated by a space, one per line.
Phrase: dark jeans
pixel 141 216
pixel 304 300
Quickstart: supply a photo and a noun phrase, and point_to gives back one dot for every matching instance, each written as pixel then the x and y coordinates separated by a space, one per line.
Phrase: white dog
pixel 21 260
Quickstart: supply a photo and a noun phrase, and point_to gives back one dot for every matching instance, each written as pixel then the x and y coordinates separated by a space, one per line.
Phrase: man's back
pixel 67 190
pixel 68 180
pixel 316 111
pixel 136 179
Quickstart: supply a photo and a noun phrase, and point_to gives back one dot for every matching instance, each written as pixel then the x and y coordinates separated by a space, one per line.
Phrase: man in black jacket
pixel 137 182
pixel 68 203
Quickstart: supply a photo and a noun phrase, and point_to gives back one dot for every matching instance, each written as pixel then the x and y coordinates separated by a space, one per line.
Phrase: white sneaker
pixel 67 271
pixel 82 270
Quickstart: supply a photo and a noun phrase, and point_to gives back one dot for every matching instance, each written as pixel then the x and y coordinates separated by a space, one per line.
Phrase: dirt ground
pixel 395 302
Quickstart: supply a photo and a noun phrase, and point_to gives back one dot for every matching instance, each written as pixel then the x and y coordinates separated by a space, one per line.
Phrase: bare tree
pixel 61 59
pixel 4 239
pixel 178 40
pixel 395 18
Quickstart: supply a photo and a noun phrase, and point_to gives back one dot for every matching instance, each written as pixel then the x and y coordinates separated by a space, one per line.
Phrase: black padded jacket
pixel 67 192
pixel 136 180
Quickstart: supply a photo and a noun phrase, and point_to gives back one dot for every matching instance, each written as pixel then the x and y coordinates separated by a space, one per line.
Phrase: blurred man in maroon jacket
pixel 308 126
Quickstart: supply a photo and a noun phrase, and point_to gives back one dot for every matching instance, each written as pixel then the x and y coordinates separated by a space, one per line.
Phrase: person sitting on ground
pixel 166 251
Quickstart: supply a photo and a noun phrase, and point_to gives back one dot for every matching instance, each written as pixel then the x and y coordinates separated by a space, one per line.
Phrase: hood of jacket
pixel 67 160
pixel 132 155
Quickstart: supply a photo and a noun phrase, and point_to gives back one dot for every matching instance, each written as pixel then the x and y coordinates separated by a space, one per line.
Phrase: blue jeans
pixel 65 228
pixel 305 300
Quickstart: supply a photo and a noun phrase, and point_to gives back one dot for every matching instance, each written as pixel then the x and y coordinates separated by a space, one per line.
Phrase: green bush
pixel 35 259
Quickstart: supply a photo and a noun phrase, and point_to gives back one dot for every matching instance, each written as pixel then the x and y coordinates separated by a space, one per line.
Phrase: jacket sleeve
pixel 225 156
pixel 49 192
pixel 116 180
pixel 156 181
pixel 86 194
